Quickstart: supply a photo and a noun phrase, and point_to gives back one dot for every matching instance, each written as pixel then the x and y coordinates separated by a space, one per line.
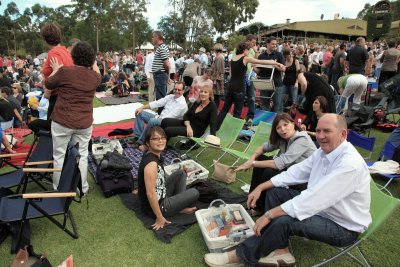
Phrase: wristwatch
pixel 268 216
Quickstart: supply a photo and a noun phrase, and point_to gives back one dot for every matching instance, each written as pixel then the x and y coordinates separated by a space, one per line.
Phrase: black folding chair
pixel 40 155
pixel 47 204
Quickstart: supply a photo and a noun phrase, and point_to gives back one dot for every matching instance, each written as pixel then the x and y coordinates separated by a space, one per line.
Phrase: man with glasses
pixel 174 107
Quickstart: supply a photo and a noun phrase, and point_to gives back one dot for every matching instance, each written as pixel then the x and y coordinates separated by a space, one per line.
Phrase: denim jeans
pixel 177 197
pixel 251 99
pixel 293 92
pixel 276 234
pixel 160 84
pixel 236 98
pixel 278 99
pixel 144 117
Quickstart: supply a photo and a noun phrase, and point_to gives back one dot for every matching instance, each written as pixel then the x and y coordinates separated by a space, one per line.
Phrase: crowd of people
pixel 320 194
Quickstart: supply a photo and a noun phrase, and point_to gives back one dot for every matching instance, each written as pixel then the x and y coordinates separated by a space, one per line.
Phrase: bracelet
pixel 267 215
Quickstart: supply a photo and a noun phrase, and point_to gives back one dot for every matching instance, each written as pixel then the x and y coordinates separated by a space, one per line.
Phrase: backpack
pixel 207 192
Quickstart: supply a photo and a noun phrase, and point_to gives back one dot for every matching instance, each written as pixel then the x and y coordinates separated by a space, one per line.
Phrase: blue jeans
pixel 236 98
pixel 278 99
pixel 293 92
pixel 144 117
pixel 251 99
pixel 276 234
pixel 160 84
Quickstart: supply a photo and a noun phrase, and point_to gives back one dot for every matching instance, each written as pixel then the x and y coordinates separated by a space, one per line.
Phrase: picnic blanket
pixel 114 113
pixel 121 100
pixel 180 222
pixel 103 94
pixel 18 160
pixel 19 133
pixel 103 130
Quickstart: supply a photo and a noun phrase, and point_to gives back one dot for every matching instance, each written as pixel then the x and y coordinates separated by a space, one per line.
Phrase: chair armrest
pixel 38 162
pixel 48 195
pixel 13 155
pixel 41 170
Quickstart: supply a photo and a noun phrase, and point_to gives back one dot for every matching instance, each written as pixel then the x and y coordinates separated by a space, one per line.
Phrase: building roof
pixel 350 27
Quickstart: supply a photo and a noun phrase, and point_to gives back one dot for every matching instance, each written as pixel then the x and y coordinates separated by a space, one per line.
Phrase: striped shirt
pixel 161 54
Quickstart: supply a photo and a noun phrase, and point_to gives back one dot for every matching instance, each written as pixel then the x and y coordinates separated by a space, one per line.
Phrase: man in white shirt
pixel 334 208
pixel 147 69
pixel 174 107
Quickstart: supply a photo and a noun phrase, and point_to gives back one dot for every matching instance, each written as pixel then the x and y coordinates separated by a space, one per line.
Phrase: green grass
pixel 111 235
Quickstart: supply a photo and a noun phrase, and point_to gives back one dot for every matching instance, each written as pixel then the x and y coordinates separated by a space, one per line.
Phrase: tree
pixel 10 12
pixel 365 11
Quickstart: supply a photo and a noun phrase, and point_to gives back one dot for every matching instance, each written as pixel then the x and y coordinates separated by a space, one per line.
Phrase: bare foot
pixel 188 210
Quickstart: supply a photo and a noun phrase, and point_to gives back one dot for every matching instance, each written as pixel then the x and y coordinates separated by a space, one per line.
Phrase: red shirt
pixel 63 57
pixel 139 59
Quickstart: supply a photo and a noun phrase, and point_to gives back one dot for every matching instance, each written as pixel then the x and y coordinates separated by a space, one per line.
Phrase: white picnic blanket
pixel 388 167
pixel 115 113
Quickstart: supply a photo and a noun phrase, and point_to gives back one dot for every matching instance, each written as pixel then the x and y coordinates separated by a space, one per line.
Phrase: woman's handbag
pixel 223 173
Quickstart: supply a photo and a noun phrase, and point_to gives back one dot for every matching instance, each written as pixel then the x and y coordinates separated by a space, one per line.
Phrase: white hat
pixel 202 49
pixel 212 140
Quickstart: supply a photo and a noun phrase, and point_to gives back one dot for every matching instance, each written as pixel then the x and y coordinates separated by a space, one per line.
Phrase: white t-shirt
pixel 172 67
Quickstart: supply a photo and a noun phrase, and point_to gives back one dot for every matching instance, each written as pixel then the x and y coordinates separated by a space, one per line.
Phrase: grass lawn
pixel 111 235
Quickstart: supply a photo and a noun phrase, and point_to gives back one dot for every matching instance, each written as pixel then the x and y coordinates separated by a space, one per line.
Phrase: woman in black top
pixel 319 107
pixel 291 72
pixel 6 116
pixel 196 120
pixel 236 87
pixel 161 195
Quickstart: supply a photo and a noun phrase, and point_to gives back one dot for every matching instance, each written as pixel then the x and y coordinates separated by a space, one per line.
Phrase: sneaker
pixel 272 259
pixel 219 259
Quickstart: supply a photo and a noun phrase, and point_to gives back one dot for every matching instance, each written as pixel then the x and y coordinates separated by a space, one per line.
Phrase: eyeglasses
pixel 159 138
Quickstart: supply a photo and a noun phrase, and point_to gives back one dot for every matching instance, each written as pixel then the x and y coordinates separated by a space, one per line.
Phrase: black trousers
pixel 175 127
pixel 52 102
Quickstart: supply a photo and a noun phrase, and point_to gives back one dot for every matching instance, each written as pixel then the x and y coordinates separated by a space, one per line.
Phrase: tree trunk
pixel 97 36
pixel 133 32
pixel 15 43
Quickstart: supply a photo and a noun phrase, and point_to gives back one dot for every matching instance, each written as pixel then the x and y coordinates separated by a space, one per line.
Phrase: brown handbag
pixel 223 173
pixel 21 259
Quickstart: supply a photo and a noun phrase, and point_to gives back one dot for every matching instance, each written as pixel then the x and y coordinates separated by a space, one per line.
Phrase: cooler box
pixel 237 234
pixel 193 169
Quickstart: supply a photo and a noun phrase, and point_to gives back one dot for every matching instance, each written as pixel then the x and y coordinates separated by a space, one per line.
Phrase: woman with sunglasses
pixel 162 195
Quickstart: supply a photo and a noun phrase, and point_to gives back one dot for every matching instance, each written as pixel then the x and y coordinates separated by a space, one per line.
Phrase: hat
pixel 202 49
pixel 212 140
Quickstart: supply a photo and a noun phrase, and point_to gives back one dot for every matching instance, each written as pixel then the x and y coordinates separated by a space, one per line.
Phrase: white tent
pixel 145 46
pixel 175 46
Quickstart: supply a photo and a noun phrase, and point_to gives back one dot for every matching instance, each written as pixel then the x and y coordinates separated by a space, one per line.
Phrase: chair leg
pixel 344 251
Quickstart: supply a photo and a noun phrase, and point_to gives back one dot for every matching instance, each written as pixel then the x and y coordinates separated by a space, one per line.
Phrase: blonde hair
pixel 218 47
pixel 18 85
pixel 210 91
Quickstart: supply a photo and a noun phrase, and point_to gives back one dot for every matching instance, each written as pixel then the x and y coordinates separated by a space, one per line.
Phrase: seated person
pixel 41 123
pixel 294 146
pixel 6 143
pixel 198 82
pixel 122 80
pixel 174 107
pixel 201 114
pixel 333 209
pixel 319 107
pixel 17 92
pixel 15 104
pixel 161 195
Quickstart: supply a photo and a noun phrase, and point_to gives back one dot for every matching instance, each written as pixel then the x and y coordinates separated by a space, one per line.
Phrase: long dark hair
pixel 274 137
pixel 323 105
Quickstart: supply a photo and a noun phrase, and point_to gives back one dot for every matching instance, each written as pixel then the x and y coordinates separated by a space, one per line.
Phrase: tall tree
pixel 365 11
pixel 12 13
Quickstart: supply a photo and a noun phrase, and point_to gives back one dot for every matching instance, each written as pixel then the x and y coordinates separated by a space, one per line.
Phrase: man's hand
pixel 138 111
pixel 253 197
pixel 280 67
pixel 260 224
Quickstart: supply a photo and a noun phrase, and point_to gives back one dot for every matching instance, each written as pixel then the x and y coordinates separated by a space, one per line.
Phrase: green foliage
pixel 372 21
pixel 234 40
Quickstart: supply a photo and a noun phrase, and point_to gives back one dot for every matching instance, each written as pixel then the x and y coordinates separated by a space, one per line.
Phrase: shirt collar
pixel 337 152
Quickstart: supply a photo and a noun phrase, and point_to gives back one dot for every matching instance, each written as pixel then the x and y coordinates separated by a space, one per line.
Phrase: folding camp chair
pixel 259 138
pixel 381 207
pixel 360 141
pixel 266 84
pixel 227 133
pixel 387 154
pixel 40 155
pixel 31 206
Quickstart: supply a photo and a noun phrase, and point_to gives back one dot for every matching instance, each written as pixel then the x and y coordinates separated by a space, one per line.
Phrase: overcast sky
pixel 269 11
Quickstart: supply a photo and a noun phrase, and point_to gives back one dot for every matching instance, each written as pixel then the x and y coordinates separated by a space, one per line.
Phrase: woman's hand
pixel 54 64
pixel 189 131
pixel 160 222
pixel 245 166
pixel 253 197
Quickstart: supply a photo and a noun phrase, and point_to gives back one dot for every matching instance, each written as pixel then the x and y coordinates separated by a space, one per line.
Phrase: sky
pixel 268 12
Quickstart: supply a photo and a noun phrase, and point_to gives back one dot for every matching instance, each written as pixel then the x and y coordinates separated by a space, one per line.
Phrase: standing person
pixel 389 60
pixel 160 67
pixel 139 58
pixel 15 104
pixel 17 92
pixel 172 67
pixel 351 84
pixel 315 66
pixel 192 70
pixel 203 59
pixel 292 71
pixel 339 66
pixel 357 57
pixel 378 64
pixel 237 83
pixel 51 33
pixel 271 54
pixel 326 60
pixel 301 57
pixel 73 114
pixel 334 209
pixel 160 195
pixel 218 73
pixel 149 74
pixel 100 63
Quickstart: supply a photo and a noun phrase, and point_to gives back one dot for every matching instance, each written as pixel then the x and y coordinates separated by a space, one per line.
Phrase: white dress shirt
pixel 338 188
pixel 148 64
pixel 173 107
